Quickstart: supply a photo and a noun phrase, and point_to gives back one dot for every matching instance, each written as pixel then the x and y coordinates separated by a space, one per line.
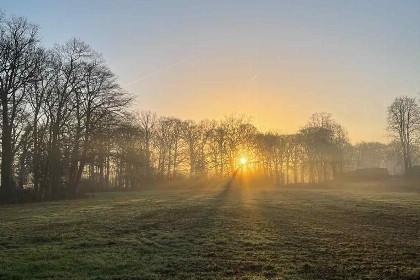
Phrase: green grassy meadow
pixel 235 232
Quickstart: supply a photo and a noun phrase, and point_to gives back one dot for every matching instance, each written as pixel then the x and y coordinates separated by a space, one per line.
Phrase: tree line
pixel 67 124
pixel 54 103
pixel 147 147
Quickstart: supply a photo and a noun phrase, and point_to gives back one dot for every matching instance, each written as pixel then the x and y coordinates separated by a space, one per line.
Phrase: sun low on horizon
pixel 243 160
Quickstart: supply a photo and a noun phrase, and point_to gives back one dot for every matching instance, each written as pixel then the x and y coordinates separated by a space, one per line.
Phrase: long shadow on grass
pixel 204 224
pixel 219 199
pixel 197 239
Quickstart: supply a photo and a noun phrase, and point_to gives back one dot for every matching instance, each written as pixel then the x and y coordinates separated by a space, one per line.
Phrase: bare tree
pixel 191 134
pixel 18 65
pixel 404 126
pixel 147 122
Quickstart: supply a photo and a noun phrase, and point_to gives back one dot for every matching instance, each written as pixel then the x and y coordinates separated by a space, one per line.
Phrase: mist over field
pixel 183 140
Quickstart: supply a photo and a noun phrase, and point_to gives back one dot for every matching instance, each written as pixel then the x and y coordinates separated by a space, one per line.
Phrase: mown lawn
pixel 226 233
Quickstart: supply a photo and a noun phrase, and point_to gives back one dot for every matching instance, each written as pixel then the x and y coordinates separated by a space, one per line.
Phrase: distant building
pixel 371 173
pixel 415 171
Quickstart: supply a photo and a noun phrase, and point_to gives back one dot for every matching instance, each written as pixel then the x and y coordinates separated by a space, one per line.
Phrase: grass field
pixel 231 233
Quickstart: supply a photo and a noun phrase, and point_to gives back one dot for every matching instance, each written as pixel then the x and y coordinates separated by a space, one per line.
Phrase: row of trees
pixel 151 147
pixel 54 103
pixel 146 147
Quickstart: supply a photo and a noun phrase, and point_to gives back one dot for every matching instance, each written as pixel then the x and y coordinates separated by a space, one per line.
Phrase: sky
pixel 274 61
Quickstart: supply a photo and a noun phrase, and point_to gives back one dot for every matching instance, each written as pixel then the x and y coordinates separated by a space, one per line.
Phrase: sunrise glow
pixel 209 139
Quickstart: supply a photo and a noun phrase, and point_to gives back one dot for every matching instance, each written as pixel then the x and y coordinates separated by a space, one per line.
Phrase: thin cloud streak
pixel 254 77
pixel 160 70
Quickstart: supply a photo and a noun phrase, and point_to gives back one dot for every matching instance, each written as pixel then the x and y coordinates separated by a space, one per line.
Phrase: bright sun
pixel 243 160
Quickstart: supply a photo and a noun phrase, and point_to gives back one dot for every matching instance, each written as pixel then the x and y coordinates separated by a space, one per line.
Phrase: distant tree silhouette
pixel 404 126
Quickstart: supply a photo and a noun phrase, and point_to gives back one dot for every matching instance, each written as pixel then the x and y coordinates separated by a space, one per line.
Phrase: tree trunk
pixel 302 173
pixel 7 193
